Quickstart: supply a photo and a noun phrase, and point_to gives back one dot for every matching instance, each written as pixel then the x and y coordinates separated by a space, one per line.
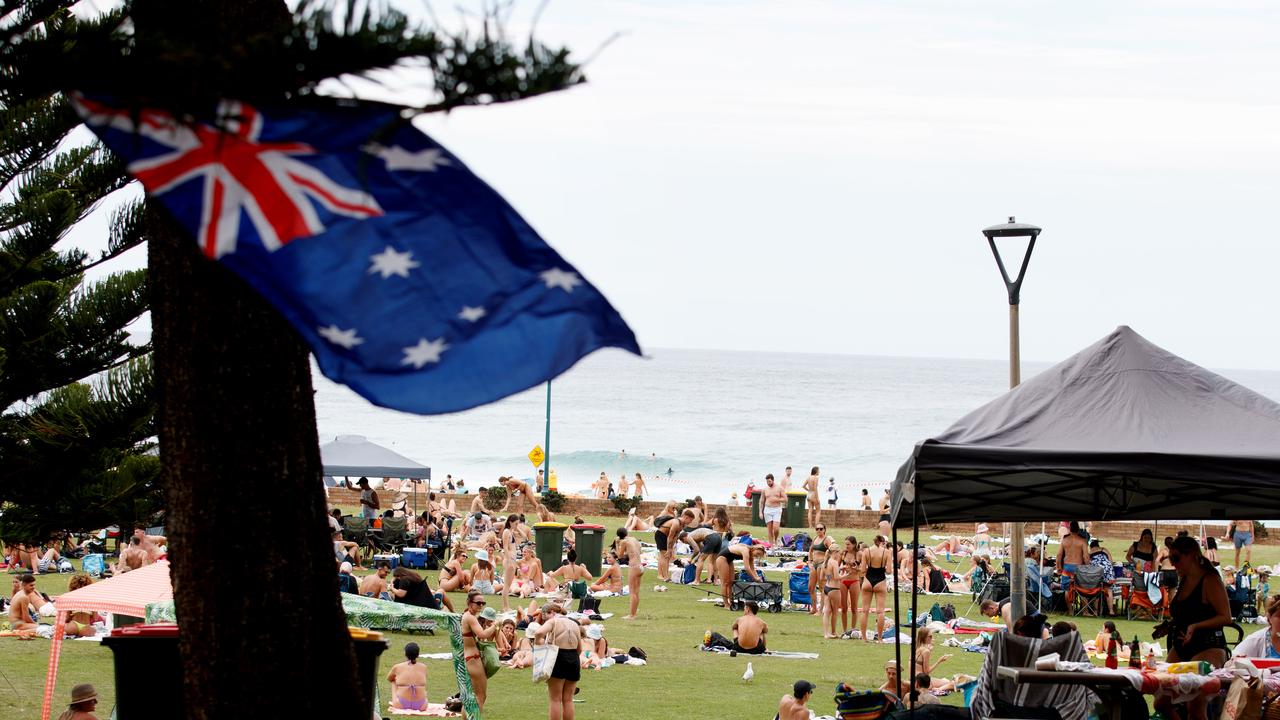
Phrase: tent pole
pixel 897 646
pixel 915 594
pixel 1040 576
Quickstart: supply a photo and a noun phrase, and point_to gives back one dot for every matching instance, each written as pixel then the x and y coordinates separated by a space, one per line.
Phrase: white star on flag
pixel 471 314
pixel 555 277
pixel 397 158
pixel 338 336
pixel 426 351
pixel 389 262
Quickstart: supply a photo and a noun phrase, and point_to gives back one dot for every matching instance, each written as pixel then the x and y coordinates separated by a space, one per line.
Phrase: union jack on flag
pixel 412 280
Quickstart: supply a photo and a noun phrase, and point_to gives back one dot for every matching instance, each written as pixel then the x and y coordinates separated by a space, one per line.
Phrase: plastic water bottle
pixel 911 620
pixel 706 638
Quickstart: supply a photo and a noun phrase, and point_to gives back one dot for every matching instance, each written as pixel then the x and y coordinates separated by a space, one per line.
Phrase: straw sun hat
pixel 82 693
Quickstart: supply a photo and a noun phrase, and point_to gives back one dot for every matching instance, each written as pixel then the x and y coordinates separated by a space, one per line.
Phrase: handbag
pixel 544 660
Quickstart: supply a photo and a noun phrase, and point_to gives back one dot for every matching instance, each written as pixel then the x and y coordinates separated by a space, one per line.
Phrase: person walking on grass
pixel 771 507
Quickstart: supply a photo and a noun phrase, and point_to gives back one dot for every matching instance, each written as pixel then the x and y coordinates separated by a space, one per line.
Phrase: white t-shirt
pixel 1255 645
pixel 831 493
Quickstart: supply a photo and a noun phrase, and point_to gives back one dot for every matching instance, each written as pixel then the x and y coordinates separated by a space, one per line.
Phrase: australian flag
pixel 412 280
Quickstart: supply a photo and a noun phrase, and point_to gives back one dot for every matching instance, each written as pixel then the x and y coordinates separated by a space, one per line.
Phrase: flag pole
pixel 546 466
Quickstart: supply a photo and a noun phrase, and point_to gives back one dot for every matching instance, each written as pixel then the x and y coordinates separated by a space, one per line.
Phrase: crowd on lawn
pixel 483 552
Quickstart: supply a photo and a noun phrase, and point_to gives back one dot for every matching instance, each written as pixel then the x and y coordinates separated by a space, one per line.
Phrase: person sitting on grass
pixel 922 692
pixel 84 700
pixel 572 573
pixel 409 681
pixel 611 578
pixel 924 654
pixel 892 684
pixel 374 585
pixel 795 706
pixel 80 624
pixel 343 551
pixel 24 606
pixel 748 633
pixel 453 576
pixel 347 582
pixel 412 589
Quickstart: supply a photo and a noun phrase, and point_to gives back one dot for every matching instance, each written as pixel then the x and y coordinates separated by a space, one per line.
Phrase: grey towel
pixel 1072 702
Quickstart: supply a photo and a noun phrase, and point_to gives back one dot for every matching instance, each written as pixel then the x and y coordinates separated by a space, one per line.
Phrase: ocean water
pixel 715 419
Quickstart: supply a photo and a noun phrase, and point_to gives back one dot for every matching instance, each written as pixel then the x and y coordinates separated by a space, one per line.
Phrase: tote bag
pixel 544 660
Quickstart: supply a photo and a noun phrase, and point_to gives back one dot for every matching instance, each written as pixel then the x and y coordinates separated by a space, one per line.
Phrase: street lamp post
pixel 1017 569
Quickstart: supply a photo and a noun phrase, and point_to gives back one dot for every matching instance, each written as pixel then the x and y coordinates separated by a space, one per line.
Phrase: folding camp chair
pixel 1088 595
pixel 1140 606
pixel 355 528
pixel 394 535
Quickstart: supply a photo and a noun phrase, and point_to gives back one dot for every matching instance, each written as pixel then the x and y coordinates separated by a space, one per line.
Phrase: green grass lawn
pixel 670 626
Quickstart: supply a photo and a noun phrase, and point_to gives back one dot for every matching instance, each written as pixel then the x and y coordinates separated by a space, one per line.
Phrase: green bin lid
pixel 797 492
pixel 550 525
pixel 587 526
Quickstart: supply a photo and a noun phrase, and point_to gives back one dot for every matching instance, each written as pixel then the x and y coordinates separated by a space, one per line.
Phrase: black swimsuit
pixel 875 575
pixel 1186 612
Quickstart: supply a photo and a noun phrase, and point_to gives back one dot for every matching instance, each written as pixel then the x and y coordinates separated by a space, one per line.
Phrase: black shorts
pixel 660 539
pixel 884 517
pixel 567 667
pixel 711 544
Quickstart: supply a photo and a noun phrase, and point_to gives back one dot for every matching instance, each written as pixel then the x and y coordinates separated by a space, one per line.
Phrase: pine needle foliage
pixel 73 454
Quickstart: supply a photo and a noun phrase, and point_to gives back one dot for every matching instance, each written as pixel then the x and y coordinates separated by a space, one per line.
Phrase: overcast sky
pixel 814 176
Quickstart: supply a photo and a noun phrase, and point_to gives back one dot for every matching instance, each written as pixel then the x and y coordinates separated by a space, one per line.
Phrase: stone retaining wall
pixel 859 520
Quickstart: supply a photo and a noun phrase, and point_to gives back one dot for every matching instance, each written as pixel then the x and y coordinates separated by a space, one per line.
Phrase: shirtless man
pixel 1074 550
pixel 1242 537
pixel 151 543
pixel 638 488
pixel 134 557
pixel 629 550
pixel 23 606
pixel 624 487
pixel 794 706
pixel 477 502
pixel 517 487
pixel 749 630
pixel 810 486
pixel 771 507
pixel 375 585
pixel 786 479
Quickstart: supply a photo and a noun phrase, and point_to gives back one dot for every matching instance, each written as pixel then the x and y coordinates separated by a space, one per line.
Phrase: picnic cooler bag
pixel 799 586
pixel 765 594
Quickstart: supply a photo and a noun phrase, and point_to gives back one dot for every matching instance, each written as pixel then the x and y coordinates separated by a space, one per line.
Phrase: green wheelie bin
pixel 549 539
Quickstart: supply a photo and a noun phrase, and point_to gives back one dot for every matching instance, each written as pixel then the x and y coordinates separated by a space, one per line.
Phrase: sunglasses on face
pixel 480 602
pixel 822 529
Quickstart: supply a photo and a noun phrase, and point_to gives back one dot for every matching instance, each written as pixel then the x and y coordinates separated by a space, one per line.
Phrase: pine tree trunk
pixel 263 633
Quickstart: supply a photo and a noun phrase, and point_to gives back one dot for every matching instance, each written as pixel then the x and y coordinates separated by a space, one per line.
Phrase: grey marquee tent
pixel 1121 430
pixel 350 455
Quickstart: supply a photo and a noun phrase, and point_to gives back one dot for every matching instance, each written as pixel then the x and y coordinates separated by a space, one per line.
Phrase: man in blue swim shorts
pixel 1243 538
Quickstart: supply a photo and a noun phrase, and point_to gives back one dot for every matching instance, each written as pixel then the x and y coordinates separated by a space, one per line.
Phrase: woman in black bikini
pixel 1197 614
pixel 1143 552
pixel 817 564
pixel 874 561
pixel 724 567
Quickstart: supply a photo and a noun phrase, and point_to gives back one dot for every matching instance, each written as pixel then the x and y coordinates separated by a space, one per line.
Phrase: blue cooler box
pixel 414 558
pixel 393 561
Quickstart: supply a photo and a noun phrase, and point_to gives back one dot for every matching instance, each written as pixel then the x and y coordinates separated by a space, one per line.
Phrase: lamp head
pixel 1013 228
